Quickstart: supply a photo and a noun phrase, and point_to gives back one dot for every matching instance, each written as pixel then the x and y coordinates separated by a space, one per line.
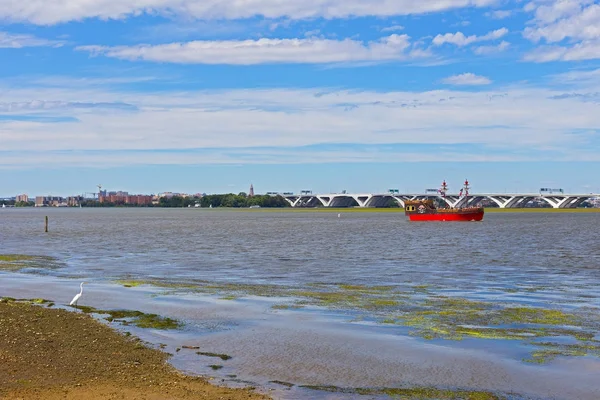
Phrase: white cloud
pixel 500 14
pixel 486 50
pixel 249 52
pixel 57 11
pixel 569 28
pixel 586 78
pixel 581 23
pixel 586 50
pixel 549 11
pixel 514 119
pixel 393 28
pixel 40 105
pixel 459 39
pixel 17 41
pixel 467 79
pixel 234 156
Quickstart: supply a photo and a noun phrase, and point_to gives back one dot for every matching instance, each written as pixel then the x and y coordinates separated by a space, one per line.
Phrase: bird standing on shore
pixel 77 296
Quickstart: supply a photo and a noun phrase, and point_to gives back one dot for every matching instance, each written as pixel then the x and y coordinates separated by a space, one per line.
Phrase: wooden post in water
pixel 46 226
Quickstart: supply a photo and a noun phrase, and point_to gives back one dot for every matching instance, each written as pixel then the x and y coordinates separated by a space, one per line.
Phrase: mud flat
pixel 48 353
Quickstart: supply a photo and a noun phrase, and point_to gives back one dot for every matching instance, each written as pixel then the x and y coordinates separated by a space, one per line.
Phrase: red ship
pixel 425 210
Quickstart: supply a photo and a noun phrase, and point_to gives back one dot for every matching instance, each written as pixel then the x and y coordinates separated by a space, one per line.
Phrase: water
pixel 547 260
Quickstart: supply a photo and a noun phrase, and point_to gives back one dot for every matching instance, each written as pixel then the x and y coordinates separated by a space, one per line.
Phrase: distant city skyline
pixel 372 178
pixel 331 95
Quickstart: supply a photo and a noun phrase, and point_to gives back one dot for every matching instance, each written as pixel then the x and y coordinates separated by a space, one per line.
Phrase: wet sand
pixel 48 353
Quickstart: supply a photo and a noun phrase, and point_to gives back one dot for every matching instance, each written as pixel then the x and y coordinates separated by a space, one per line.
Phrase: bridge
pixel 368 200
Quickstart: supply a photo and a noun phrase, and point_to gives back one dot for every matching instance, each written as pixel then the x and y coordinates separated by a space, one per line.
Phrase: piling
pixel 46 225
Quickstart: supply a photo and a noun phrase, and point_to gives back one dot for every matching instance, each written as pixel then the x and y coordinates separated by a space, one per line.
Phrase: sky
pixel 211 96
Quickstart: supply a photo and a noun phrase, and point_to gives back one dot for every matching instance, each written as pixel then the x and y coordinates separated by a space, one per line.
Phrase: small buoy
pixel 339 215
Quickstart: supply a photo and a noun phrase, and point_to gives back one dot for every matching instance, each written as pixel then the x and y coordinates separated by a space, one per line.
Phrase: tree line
pixel 231 200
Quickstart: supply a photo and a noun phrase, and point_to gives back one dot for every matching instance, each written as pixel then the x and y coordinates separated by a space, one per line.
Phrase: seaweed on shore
pixel 424 314
pixel 49 303
pixel 133 317
pixel 17 262
pixel 223 357
pixel 421 393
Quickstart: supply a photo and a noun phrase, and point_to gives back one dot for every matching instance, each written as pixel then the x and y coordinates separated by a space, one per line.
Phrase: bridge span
pixel 369 200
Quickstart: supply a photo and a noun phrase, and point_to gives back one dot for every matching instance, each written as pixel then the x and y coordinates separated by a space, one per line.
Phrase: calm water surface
pixel 305 247
pixel 536 259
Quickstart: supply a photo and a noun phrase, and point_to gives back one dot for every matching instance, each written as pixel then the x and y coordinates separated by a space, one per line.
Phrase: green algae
pixel 156 283
pixel 49 303
pixel 431 316
pixel 223 357
pixel 136 318
pixel 365 289
pixel 421 393
pixel 7 299
pixel 287 306
pixel 283 383
pixel 440 317
pixel 129 284
pixel 155 321
pixel 369 298
pixel 15 257
pixel 551 350
pixel 529 315
pixel 426 315
pixel 17 262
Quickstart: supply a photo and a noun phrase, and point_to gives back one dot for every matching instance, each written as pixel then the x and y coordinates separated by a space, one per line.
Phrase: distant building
pixel 251 192
pixel 125 198
pixel 139 199
pixel 50 201
pixel 169 195
pixel 22 197
pixel 74 201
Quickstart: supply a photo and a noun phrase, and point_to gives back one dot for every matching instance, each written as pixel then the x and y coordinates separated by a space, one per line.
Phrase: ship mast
pixel 466 188
pixel 443 189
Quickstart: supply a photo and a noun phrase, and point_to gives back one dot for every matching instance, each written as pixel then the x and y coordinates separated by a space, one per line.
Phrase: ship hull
pixel 465 216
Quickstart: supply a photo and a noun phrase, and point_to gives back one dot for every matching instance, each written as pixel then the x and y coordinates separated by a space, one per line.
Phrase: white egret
pixel 77 296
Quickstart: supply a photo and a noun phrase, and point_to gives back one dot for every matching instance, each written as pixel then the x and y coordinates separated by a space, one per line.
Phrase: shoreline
pixel 235 343
pixel 324 209
pixel 40 358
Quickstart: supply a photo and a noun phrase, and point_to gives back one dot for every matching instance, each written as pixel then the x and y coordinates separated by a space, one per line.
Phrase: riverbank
pixel 48 353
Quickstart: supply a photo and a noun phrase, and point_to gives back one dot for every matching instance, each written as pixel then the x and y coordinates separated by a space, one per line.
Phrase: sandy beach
pixel 48 353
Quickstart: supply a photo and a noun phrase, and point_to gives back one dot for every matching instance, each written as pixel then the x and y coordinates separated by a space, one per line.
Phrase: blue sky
pixel 328 95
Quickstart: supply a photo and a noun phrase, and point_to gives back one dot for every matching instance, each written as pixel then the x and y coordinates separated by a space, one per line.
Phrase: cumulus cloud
pixel 549 11
pixel 467 79
pixel 486 50
pixel 56 11
pixel 570 30
pixel 459 39
pixel 580 22
pixel 586 50
pixel 17 41
pixel 249 52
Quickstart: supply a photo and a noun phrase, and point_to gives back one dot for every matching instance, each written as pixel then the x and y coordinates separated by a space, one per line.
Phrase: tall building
pixel 22 197
pixel 251 192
